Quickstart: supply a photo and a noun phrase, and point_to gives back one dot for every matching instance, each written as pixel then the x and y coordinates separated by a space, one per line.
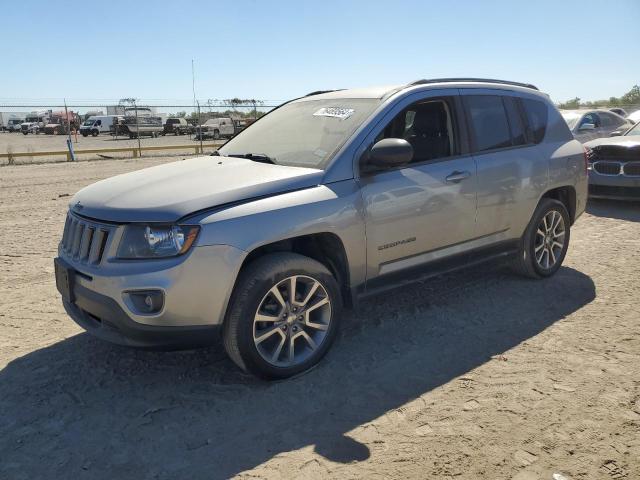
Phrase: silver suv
pixel 327 199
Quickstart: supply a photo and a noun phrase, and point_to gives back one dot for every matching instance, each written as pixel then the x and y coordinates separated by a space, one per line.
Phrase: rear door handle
pixel 457 176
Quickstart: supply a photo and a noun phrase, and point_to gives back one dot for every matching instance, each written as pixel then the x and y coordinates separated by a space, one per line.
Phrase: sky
pixel 277 50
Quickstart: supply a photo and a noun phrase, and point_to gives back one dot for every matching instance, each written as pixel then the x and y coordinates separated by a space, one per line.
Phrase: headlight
pixel 156 241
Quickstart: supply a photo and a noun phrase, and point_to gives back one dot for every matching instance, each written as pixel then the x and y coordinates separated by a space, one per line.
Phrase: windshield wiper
pixel 256 157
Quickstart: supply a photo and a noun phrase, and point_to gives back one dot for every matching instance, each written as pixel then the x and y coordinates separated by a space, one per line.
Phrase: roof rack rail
pixel 319 92
pixel 485 80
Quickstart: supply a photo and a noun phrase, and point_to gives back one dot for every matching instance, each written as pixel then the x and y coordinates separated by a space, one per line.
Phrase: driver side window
pixel 428 126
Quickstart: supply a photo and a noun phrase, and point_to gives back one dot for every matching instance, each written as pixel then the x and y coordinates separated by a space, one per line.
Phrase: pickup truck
pixel 177 126
pixel 223 127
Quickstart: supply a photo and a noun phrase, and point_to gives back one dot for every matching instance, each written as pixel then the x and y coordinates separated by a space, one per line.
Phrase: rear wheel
pixel 283 316
pixel 545 241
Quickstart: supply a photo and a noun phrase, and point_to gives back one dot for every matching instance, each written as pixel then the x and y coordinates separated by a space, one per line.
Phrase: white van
pixel 96 125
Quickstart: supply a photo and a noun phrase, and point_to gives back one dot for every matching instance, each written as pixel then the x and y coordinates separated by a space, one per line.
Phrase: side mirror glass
pixel 587 126
pixel 391 152
pixel 617 133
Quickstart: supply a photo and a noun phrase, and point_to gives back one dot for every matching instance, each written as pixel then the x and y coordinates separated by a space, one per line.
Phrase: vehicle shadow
pixel 620 210
pixel 84 409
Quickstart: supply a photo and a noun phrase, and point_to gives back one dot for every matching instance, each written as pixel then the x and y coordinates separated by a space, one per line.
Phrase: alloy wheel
pixel 292 321
pixel 549 240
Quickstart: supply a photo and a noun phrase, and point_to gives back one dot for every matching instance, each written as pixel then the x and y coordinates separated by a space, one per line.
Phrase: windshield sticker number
pixel 335 112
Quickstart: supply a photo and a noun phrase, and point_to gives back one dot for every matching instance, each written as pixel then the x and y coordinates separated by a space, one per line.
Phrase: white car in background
pixel 591 124
pixel 634 117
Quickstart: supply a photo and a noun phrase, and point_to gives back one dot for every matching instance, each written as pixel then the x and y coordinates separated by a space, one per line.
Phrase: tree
pixel 632 96
pixel 569 104
pixel 234 103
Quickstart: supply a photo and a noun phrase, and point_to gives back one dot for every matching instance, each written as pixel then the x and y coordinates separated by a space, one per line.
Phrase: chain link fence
pixel 140 128
pixel 135 127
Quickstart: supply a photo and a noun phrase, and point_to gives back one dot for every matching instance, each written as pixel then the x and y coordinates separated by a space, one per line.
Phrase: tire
pixel 216 134
pixel 94 133
pixel 252 293
pixel 84 134
pixel 25 133
pixel 532 242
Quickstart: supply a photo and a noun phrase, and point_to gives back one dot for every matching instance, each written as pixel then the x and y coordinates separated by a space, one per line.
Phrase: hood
pixel 623 141
pixel 168 192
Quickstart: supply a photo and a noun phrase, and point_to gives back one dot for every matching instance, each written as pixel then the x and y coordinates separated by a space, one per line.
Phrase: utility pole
pixel 200 127
pixel 137 129
pixel 72 155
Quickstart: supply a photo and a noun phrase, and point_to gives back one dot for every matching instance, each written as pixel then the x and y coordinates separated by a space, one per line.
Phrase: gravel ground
pixel 479 374
pixel 17 142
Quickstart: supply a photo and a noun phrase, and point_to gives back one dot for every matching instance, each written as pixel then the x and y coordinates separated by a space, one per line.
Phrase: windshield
pixel 635 130
pixel 571 118
pixel 32 119
pixel 303 134
pixel 88 123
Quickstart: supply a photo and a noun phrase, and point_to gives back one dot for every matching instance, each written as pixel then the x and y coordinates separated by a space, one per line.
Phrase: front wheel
pixel 283 315
pixel 545 241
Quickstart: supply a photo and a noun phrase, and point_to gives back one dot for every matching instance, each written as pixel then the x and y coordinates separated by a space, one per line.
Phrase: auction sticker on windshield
pixel 336 112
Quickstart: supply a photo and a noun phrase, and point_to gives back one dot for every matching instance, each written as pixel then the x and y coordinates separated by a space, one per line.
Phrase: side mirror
pixel 586 126
pixel 391 152
pixel 617 133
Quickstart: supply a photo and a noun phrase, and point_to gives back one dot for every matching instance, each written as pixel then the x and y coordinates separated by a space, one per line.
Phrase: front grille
pixel 632 169
pixel 85 241
pixel 607 168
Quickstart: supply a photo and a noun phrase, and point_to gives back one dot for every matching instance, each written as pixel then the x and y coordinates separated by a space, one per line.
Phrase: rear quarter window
pixel 537 116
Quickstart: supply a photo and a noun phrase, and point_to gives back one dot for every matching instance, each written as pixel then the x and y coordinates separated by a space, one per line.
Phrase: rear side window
pixel 516 124
pixel 610 120
pixel 489 122
pixel 537 115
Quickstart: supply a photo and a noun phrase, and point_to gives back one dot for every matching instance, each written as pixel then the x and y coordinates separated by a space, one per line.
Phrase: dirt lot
pixel 17 142
pixel 476 375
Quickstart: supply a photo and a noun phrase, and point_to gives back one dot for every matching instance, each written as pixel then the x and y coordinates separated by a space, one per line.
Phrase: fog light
pixel 145 302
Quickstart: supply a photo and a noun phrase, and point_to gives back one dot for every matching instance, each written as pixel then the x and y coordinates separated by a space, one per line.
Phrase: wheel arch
pixel 565 194
pixel 324 247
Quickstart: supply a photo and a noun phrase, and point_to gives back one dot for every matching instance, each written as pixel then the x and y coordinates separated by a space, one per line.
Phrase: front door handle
pixel 457 176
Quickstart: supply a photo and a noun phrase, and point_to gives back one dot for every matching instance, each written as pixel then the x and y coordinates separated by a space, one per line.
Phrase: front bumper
pixel 102 317
pixel 196 289
pixel 616 187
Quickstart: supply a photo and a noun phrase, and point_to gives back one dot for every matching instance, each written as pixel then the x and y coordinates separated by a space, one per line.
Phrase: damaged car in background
pixel 614 166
